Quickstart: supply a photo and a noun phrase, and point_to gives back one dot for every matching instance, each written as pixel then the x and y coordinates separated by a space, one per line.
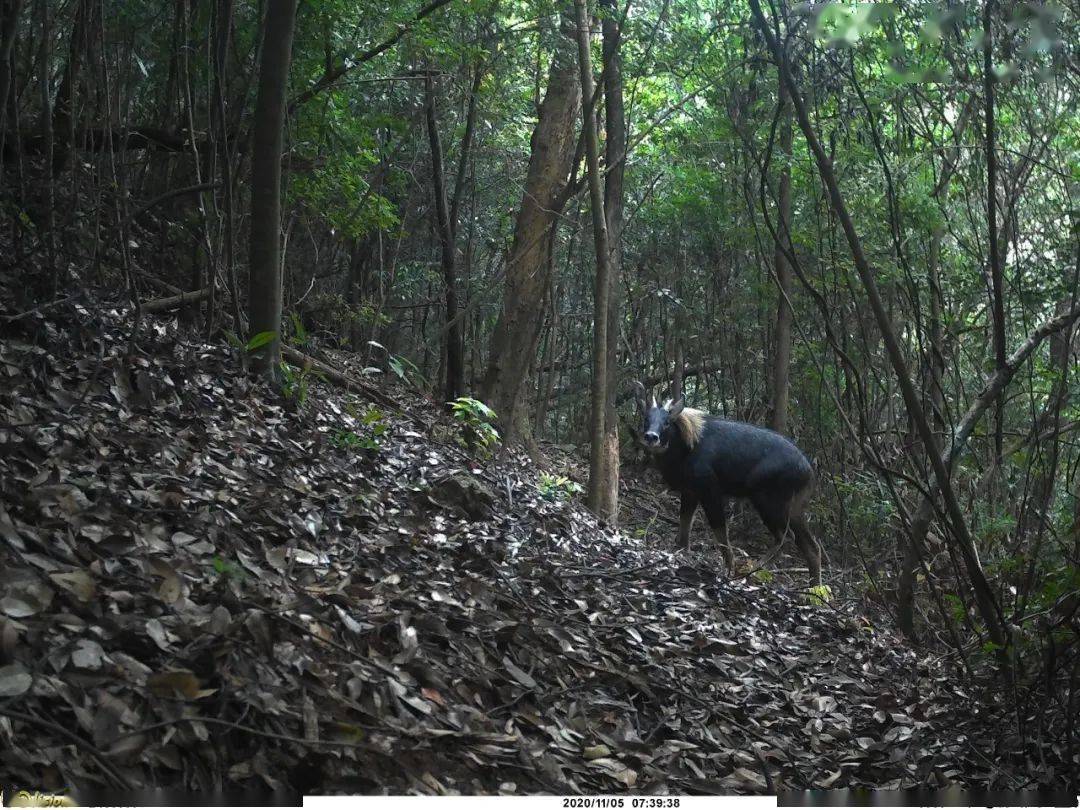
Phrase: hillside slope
pixel 204 588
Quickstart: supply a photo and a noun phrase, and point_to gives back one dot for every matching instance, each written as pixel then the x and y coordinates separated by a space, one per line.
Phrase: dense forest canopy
pixel 854 222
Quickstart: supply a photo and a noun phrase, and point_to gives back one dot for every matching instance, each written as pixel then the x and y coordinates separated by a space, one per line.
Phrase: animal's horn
pixel 639 395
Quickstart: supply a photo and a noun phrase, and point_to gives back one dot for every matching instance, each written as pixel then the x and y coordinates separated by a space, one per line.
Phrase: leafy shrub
pixel 402 367
pixel 373 429
pixel 475 420
pixel 556 487
pixel 294 382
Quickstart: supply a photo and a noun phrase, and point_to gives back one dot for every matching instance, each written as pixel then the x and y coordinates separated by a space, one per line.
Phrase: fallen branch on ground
pixel 301 360
pixel 174 301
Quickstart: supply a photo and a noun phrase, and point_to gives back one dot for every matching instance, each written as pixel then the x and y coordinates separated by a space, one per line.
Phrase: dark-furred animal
pixel 707 460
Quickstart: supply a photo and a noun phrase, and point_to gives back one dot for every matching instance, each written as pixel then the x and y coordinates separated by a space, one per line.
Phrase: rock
pixel 462 492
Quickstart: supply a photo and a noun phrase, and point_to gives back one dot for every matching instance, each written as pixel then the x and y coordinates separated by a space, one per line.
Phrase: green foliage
pixel 994 527
pixel 1057 591
pixel 338 192
pixel 991 647
pixel 367 315
pixel 228 570
pixel 403 367
pixel 294 382
pixel 556 487
pixel 956 606
pixel 475 419
pixel 867 503
pixel 298 337
pixel 819 595
pixel 259 340
pixel 373 430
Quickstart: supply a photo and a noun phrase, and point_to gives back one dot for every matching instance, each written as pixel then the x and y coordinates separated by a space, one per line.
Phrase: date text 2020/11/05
pixel 621 803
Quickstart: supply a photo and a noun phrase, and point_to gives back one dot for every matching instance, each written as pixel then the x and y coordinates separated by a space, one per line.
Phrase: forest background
pixel 855 223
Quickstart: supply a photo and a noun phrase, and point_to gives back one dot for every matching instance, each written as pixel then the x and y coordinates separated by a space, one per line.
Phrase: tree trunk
pixel 678 374
pixel 997 285
pixel 264 279
pixel 49 138
pixel 222 34
pixel 63 120
pixel 455 365
pixel 1036 517
pixel 513 343
pixel 9 21
pixel 782 358
pixel 615 150
pixel 905 597
pixel 599 487
pixel 355 291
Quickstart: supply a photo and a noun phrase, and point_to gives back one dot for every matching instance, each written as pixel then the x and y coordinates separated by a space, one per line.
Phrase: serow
pixel 707 460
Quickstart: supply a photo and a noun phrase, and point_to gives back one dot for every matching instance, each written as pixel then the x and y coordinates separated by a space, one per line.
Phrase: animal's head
pixel 658 424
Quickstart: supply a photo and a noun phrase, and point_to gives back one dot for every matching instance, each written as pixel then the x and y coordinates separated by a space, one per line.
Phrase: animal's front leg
pixel 686 517
pixel 716 512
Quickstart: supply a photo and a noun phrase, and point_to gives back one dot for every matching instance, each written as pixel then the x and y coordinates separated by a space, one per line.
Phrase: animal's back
pixel 745 457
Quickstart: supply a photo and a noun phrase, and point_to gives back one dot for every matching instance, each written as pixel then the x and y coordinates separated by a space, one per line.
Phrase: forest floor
pixel 204 587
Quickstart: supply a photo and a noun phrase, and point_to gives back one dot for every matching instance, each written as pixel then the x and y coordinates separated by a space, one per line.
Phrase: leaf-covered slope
pixel 203 588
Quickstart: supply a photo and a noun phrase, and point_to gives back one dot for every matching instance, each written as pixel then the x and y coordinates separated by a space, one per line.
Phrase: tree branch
pixel 334 73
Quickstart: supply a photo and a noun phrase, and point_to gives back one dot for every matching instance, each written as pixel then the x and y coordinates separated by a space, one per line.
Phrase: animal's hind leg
pixel 810 548
pixel 716 512
pixel 773 511
pixel 778 543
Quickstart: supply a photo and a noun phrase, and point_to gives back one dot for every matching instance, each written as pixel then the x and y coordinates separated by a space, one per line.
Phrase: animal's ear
pixel 675 408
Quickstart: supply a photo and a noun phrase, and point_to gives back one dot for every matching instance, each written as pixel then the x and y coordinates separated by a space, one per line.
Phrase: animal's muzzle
pixel 652 439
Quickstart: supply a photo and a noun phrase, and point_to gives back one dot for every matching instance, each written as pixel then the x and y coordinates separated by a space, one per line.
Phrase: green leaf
pixel 260 340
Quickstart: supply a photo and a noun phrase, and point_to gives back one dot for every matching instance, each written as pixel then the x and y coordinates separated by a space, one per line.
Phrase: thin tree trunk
pixel 356 290
pixel 598 485
pixel 782 358
pixel 678 375
pixel 936 370
pixel 615 150
pixel 998 302
pixel 9 21
pixel 454 352
pixel 1036 518
pixel 49 137
pixel 222 33
pixel 466 150
pixel 264 281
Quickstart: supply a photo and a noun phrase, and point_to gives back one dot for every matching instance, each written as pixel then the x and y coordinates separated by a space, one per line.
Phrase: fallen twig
pixel 174 301
pixel 301 360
